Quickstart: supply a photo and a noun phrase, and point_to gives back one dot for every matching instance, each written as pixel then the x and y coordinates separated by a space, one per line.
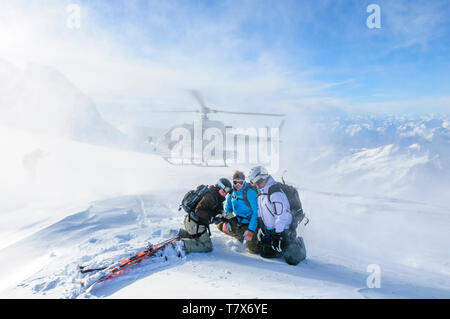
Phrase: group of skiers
pixel 257 212
pixel 262 213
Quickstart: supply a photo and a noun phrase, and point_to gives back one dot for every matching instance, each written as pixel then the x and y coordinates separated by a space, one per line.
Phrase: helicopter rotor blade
pixel 248 113
pixel 175 111
pixel 204 110
pixel 198 97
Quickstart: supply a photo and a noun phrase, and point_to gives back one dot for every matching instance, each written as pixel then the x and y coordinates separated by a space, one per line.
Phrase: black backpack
pixel 191 198
pixel 190 201
pixel 294 201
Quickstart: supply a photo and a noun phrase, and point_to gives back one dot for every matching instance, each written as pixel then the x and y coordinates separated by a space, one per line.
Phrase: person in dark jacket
pixel 196 234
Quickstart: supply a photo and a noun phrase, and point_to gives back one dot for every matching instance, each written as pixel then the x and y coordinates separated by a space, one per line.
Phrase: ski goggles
pixel 258 179
pixel 238 182
pixel 227 189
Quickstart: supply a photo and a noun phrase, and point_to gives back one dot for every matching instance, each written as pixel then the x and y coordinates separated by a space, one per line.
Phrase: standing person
pixel 196 234
pixel 241 213
pixel 277 235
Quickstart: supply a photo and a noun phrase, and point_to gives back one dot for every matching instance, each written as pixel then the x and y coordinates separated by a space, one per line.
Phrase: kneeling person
pixel 277 235
pixel 196 234
pixel 241 218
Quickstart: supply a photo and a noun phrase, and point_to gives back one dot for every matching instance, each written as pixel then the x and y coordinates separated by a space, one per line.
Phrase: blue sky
pixel 292 53
pixel 325 42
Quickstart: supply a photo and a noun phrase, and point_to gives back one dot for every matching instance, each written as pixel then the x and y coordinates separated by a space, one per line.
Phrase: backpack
pixel 189 203
pixel 192 198
pixel 294 201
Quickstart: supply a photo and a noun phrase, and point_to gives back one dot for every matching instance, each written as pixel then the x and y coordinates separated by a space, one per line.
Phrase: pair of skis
pixel 103 274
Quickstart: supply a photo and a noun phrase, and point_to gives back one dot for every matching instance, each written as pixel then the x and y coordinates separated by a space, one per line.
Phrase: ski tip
pixel 90 288
pixel 87 288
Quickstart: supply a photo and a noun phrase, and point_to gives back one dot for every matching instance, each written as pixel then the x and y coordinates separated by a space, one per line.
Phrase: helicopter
pixel 186 144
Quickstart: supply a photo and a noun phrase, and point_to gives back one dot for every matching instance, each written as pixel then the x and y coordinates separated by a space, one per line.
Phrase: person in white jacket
pixel 274 208
pixel 276 236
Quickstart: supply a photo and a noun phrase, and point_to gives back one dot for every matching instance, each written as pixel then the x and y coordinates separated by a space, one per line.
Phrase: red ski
pixel 105 273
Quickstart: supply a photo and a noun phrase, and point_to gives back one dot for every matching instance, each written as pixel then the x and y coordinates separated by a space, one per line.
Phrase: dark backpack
pixel 294 201
pixel 189 203
pixel 192 198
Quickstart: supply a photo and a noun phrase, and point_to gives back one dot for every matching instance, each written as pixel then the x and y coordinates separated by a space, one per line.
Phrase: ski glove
pixel 226 228
pixel 228 215
pixel 276 242
pixel 218 218
pixel 248 235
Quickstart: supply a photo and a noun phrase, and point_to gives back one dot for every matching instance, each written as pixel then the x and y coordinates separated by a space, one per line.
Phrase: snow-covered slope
pixel 75 203
pixel 406 156
pixel 41 99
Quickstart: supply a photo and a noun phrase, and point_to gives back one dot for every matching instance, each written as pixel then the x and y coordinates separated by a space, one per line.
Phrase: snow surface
pixel 76 190
pixel 90 205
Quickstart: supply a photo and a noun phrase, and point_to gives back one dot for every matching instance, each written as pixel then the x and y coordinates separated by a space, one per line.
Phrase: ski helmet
pixel 225 184
pixel 257 174
pixel 238 175
pixel 238 179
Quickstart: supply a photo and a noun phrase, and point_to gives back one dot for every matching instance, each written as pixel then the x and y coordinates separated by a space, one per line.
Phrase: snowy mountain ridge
pixel 41 99
pixel 374 189
pixel 62 225
pixel 407 156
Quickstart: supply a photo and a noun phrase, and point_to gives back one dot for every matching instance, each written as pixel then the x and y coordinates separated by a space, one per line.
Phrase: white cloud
pixel 421 105
pixel 126 65
pixel 414 22
pixel 106 70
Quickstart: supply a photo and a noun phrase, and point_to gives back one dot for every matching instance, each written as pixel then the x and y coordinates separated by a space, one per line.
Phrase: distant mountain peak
pixel 44 100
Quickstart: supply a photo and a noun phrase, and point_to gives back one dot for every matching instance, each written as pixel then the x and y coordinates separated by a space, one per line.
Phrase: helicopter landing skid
pixel 183 163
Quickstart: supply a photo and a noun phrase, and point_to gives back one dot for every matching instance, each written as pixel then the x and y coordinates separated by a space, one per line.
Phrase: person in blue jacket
pixel 241 213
